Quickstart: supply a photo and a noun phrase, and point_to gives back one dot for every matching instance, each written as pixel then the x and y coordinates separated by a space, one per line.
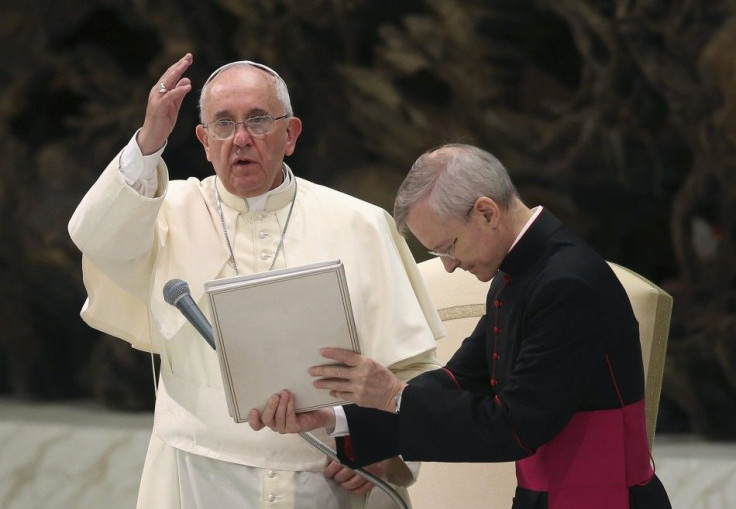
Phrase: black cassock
pixel 557 350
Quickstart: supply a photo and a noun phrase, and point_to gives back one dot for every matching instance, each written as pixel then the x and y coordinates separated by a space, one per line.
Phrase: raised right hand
pixel 162 109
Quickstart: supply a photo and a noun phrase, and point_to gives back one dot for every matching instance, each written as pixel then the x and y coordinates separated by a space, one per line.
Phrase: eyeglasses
pixel 256 126
pixel 450 252
pixel 446 254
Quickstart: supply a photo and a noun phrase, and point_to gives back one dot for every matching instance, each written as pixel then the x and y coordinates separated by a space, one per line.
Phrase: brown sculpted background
pixel 620 115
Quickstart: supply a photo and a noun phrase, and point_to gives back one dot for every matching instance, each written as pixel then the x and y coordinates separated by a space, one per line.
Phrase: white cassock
pixel 132 245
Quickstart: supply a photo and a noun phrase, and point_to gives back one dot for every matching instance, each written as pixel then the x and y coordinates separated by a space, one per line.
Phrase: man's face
pixel 471 243
pixel 247 165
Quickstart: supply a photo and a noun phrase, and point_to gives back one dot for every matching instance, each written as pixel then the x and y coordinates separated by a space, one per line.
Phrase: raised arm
pixel 164 102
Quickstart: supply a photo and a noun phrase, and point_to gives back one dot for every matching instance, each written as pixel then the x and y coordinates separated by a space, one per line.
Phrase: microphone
pixel 176 293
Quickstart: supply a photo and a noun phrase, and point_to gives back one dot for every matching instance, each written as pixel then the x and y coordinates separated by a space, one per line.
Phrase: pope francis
pixel 137 230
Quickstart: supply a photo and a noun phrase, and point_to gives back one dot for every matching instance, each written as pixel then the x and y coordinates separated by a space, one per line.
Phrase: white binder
pixel 269 328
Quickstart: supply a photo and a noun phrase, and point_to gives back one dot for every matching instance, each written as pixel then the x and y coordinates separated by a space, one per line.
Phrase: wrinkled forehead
pixel 240 63
pixel 236 86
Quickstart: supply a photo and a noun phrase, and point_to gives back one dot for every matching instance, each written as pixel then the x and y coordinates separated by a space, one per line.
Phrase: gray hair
pixel 453 177
pixel 282 91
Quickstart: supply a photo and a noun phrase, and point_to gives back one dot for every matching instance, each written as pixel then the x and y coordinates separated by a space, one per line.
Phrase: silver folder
pixel 269 328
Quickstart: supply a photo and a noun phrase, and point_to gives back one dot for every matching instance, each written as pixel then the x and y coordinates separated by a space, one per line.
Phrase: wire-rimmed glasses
pixel 447 253
pixel 261 125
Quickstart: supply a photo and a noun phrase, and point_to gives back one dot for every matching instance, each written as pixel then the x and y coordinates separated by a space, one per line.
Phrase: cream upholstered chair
pixel 460 299
pixel 653 310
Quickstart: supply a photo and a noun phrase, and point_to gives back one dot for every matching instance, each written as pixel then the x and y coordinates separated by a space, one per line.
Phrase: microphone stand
pixel 173 291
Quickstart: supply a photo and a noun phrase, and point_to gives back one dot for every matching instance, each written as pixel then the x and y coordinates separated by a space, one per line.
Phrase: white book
pixel 269 328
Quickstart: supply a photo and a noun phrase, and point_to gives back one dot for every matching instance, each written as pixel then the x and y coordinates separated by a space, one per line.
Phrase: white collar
pixel 537 210
pixel 270 201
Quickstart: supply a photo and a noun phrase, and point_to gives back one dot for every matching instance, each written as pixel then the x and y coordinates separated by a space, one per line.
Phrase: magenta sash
pixel 592 462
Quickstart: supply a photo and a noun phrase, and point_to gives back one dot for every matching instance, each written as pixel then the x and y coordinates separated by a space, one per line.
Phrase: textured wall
pixel 619 115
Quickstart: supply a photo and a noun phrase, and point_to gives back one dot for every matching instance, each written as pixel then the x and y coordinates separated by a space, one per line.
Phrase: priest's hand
pixel 164 102
pixel 280 415
pixel 359 379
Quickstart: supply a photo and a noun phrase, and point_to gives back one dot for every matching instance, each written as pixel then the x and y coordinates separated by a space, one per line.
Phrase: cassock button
pixel 271 497
pixel 263 235
pixel 271 474
pixel 496 356
pixel 494 382
pixel 496 330
pixel 265 256
pixel 507 279
pixel 497 303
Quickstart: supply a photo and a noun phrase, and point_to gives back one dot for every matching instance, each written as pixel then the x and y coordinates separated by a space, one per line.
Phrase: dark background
pixel 619 115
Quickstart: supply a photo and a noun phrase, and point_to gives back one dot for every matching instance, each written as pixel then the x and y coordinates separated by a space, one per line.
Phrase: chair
pixel 460 299
pixel 653 310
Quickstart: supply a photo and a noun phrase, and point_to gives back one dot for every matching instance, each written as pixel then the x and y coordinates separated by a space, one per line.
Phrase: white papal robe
pixel 132 245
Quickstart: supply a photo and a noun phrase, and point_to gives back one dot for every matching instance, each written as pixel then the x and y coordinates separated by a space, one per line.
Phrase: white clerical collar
pixel 537 210
pixel 272 200
pixel 257 203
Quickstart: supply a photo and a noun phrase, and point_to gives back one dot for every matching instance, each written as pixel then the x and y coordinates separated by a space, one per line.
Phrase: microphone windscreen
pixel 174 290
